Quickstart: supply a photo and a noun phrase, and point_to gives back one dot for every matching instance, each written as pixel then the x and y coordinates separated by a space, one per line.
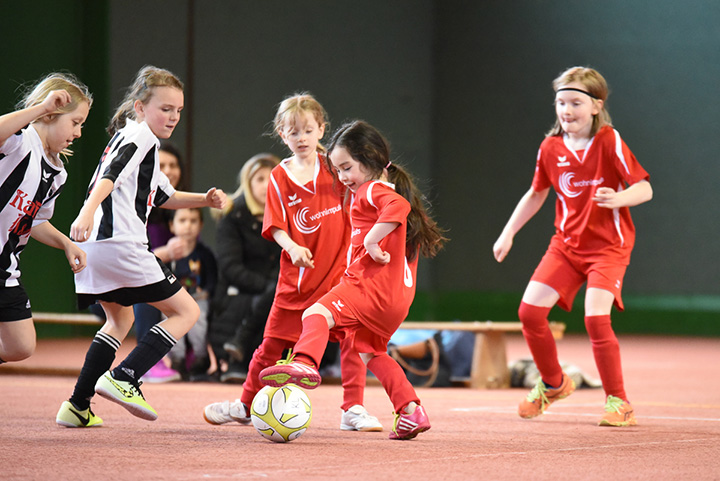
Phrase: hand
pixel 82 227
pixel 178 248
pixel 301 256
pixel 502 247
pixel 76 257
pixel 377 254
pixel 607 198
pixel 56 100
pixel 216 198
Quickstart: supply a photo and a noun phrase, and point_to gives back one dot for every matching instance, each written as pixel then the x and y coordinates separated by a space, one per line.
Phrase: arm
pixel 301 256
pixel 49 235
pixel 83 224
pixel 528 206
pixel 378 232
pixel 181 200
pixel 14 121
pixel 636 194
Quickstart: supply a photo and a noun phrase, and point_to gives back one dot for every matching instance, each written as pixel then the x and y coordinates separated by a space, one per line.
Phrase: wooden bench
pixel 74 318
pixel 489 369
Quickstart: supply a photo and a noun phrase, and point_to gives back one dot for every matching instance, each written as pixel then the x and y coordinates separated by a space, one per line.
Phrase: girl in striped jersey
pixel 32 175
pixel 390 229
pixel 596 179
pixel 121 269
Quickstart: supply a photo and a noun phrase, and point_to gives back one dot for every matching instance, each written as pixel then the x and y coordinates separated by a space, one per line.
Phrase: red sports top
pixel 379 295
pixel 592 231
pixel 313 216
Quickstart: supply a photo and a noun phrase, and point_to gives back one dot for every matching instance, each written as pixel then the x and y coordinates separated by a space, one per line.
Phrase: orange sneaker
pixel 542 396
pixel 618 413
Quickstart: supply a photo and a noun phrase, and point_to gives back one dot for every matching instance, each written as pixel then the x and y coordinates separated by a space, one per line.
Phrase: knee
pixel 533 317
pixel 18 352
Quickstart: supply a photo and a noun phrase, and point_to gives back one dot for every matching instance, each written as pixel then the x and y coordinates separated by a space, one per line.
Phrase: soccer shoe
pixel 287 371
pixel 618 413
pixel 227 412
pixel 72 417
pixel 358 419
pixel 126 394
pixel 542 396
pixel 407 426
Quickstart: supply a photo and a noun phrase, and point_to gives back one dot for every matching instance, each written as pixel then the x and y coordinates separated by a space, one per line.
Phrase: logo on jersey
pixel 572 188
pixel 562 161
pixel 171 278
pixel 27 210
pixel 338 305
pixel 302 222
pixel 46 176
pixel 293 200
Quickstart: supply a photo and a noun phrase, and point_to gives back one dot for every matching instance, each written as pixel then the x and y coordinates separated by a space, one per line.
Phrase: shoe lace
pixel 538 392
pixel 613 404
pixel 290 358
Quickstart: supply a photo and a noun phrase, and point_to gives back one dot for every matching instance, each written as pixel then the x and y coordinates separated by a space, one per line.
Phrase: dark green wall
pixel 58 36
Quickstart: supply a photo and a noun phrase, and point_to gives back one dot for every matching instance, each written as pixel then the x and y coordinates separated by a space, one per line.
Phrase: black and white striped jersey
pixel 118 248
pixel 29 185
pixel 130 160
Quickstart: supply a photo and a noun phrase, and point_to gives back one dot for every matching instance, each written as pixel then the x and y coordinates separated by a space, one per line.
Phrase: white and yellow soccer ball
pixel 281 414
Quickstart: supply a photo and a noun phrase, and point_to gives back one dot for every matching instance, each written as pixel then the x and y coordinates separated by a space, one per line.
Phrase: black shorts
pixel 14 304
pixel 128 296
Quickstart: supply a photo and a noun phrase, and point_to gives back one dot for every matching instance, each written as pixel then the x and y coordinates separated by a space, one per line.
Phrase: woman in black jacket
pixel 248 268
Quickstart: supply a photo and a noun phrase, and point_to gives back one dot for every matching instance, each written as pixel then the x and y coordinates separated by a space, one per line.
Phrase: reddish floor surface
pixel 476 434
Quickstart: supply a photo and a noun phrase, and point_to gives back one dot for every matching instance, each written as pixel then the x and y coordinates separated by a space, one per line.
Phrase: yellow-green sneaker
pixel 126 394
pixel 542 396
pixel 72 417
pixel 618 413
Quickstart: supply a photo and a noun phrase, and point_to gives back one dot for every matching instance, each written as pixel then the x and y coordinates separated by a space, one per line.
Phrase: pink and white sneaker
pixel 291 372
pixel 407 426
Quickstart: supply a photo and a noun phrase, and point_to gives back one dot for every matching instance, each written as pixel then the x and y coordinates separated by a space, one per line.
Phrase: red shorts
pixel 348 326
pixel 566 272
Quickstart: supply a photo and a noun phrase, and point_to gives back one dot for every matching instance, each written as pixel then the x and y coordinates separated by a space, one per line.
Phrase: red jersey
pixel 589 230
pixel 313 216
pixel 379 295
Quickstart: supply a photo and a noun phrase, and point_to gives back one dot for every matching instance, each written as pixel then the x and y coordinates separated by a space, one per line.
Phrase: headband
pixel 577 90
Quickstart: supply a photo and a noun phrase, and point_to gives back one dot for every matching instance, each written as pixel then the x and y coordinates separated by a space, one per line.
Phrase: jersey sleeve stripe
pixel 619 151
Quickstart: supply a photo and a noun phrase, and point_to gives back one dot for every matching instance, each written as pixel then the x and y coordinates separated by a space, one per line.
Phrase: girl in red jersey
pixel 304 215
pixel 596 179
pixel 390 228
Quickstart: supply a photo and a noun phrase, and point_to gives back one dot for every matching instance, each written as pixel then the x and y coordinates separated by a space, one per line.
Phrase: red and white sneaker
pixel 291 372
pixel 407 426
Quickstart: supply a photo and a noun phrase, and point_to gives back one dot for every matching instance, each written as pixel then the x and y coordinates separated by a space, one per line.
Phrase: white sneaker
pixel 227 412
pixel 358 419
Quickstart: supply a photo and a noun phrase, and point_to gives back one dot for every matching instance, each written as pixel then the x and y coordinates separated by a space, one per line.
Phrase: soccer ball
pixel 281 414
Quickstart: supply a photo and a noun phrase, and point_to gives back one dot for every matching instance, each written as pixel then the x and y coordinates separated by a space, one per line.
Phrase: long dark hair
pixel 368 146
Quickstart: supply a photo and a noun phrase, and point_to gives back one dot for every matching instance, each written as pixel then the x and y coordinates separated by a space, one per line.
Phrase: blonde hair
pixel 58 81
pixel 247 172
pixel 141 89
pixel 595 85
pixel 295 105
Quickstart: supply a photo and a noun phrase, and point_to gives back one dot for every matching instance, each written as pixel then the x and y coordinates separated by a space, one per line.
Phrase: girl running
pixel 596 179
pixel 32 139
pixel 121 269
pixel 304 215
pixel 390 229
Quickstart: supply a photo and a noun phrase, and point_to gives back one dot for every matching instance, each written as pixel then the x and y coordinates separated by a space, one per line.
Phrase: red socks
pixel 606 350
pixel 393 379
pixel 540 340
pixel 313 340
